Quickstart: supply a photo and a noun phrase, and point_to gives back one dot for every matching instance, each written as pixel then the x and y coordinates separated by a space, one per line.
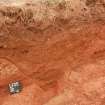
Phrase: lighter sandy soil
pixel 56 49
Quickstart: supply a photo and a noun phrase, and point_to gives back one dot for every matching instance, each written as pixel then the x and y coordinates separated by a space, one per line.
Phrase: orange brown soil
pixel 57 52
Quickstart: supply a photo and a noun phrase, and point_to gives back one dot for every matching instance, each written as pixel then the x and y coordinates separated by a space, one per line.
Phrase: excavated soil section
pixel 55 49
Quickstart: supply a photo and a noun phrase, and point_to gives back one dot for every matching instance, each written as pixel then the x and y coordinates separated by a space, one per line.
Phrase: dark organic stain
pixel 103 3
pixel 84 9
pixel 72 9
pixel 61 21
pixel 99 53
pixel 90 2
pixel 25 51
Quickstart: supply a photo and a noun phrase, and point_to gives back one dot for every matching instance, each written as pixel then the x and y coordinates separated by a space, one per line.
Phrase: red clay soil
pixel 59 57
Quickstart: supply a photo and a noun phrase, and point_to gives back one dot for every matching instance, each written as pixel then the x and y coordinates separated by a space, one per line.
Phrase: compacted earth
pixel 55 49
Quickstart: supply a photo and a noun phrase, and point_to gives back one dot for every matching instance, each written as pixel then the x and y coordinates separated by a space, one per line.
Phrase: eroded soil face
pixel 55 49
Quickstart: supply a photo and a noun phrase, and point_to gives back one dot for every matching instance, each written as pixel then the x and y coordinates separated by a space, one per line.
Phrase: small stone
pixel 15 87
